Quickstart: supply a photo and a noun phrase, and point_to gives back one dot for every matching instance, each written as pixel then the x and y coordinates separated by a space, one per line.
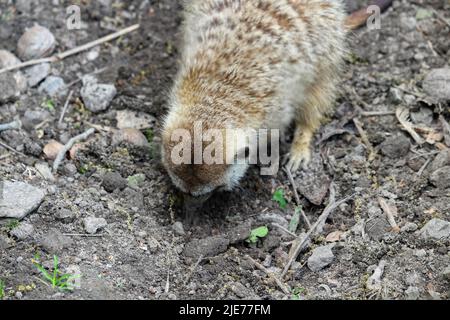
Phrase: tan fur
pixel 254 64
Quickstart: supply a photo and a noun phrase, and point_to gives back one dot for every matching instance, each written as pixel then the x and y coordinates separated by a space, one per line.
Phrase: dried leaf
pixel 403 117
pixel 334 236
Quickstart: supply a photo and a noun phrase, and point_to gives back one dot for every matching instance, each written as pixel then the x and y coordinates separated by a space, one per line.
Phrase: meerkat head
pixel 199 159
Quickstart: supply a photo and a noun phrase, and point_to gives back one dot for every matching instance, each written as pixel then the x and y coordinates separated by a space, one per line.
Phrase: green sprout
pixel 14 223
pixel 296 292
pixel 48 104
pixel 2 289
pixel 56 278
pixel 260 232
pixel 278 196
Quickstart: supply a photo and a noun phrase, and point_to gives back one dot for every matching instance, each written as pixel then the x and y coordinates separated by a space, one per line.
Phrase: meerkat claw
pixel 299 160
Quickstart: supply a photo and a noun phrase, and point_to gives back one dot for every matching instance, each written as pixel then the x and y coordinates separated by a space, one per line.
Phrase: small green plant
pixel 2 289
pixel 14 223
pixel 48 104
pixel 149 135
pixel 295 220
pixel 260 232
pixel 56 278
pixel 278 196
pixel 297 292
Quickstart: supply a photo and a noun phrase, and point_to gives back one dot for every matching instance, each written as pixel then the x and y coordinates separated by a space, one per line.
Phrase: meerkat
pixel 253 64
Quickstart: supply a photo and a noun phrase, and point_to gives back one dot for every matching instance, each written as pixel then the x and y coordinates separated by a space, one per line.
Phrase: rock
pixel 412 293
pixel 240 232
pixel 423 116
pixel 54 241
pixel 22 231
pixel 395 95
pixel 44 171
pixel 65 215
pixel 69 169
pixel 395 146
pixel 53 86
pixel 420 253
pixel 37 73
pixel 36 42
pixel 131 119
pixel 409 227
pixel 320 258
pixel 9 90
pixel 52 149
pixel 4 243
pixel 31 118
pixel 97 97
pixel 441 177
pixel 136 181
pixel 442 159
pixel 19 199
pixel 436 229
pixel 314 183
pixel 437 84
pixel 178 228
pixel 377 227
pixel 446 273
pixel 7 59
pixel 113 181
pixel 130 136
pixel 273 217
pixel 92 225
pixel 207 247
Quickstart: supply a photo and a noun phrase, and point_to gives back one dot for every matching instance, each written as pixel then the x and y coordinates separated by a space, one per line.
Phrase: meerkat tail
pixel 358 18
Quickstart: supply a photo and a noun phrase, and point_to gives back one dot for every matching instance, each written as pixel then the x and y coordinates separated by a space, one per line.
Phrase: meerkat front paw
pixel 299 156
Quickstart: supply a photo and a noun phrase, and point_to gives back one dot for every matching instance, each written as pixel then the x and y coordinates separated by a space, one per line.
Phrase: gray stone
pixel 7 59
pixel 37 73
pixel 9 90
pixel 441 177
pixel 44 171
pixel 54 241
pixel 113 181
pixel 53 86
pixel 136 181
pixel 436 229
pixel 395 95
pixel 409 227
pixel 207 247
pixel 437 84
pixel 423 116
pixel 178 228
pixel 92 224
pixel 31 118
pixel 321 258
pixel 22 231
pixel 412 293
pixel 446 273
pixel 442 159
pixel 36 42
pixel 19 199
pixel 395 147
pixel 97 97
pixel 130 136
pixel 65 215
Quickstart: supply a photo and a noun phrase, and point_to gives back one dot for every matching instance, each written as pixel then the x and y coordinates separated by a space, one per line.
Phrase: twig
pixel 377 113
pixel 441 17
pixel 83 235
pixel 16 124
pixel 389 213
pixel 445 129
pixel 277 280
pixel 422 169
pixel 66 104
pixel 4 145
pixel 297 198
pixel 68 146
pixel 284 229
pixel 193 270
pixel 304 239
pixel 71 52
pixel 402 115
pixel 364 138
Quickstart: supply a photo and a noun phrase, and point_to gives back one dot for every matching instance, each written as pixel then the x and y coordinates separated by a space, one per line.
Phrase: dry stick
pixel 16 124
pixel 71 52
pixel 193 269
pixel 364 138
pixel 83 235
pixel 277 280
pixel 297 198
pixel 441 17
pixel 390 215
pixel 303 240
pixel 68 146
pixel 377 113
pixel 284 229
pixel 422 169
pixel 4 145
pixel 66 104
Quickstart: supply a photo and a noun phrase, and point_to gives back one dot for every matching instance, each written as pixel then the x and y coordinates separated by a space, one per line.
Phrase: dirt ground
pixel 144 252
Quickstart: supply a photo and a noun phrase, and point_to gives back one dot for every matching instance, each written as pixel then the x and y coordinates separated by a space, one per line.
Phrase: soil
pixel 145 253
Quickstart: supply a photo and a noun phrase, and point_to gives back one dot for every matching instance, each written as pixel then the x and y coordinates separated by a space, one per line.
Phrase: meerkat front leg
pixel 318 103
